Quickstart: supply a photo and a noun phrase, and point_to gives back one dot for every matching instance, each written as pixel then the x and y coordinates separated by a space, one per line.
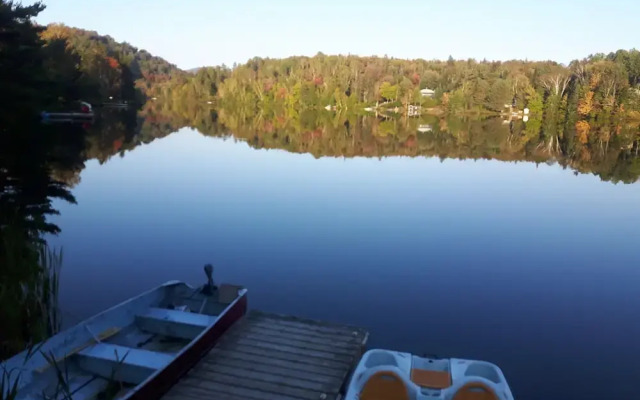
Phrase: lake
pixel 526 265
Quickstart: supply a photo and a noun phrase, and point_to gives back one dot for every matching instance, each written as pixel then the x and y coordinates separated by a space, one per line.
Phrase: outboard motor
pixel 209 288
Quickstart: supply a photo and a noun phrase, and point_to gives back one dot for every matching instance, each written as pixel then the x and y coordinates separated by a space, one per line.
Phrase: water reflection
pixel 610 151
pixel 513 250
pixel 34 161
pixel 524 265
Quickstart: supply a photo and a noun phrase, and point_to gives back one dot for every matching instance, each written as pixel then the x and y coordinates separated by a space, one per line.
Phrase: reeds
pixel 29 283
pixel 48 286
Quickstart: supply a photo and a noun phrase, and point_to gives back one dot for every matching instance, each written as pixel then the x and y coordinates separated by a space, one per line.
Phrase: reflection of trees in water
pixel 28 268
pixel 112 133
pixel 117 131
pixel 38 164
pixel 610 150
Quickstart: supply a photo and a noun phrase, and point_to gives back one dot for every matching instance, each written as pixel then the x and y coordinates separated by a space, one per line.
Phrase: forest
pixel 98 67
pixel 598 84
pixel 53 66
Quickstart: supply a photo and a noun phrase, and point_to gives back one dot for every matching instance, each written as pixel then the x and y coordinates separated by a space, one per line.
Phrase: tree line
pixel 600 83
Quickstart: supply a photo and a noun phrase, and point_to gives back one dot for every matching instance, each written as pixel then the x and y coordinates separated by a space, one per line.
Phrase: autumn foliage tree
pixel 108 68
pixel 461 86
pixel 585 105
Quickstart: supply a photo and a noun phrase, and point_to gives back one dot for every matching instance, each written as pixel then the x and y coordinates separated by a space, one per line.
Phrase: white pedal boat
pixel 391 375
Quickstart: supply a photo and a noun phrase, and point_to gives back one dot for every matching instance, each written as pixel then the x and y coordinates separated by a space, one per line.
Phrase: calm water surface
pixel 524 265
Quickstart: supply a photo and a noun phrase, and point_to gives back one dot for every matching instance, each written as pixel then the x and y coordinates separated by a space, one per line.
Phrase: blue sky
pixel 192 33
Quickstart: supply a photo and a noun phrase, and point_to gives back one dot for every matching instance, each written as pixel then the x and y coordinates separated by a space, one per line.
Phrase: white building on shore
pixel 427 92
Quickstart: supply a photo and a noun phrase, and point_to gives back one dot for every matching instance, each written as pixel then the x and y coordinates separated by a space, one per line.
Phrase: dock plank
pixel 302 339
pixel 289 357
pixel 269 388
pixel 300 323
pixel 263 344
pixel 271 356
pixel 292 341
pixel 215 390
pixel 266 377
pixel 309 368
pixel 272 369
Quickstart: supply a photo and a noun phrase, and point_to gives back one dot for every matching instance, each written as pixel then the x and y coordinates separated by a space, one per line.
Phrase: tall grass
pixel 8 385
pixel 47 290
pixel 10 379
pixel 29 312
pixel 29 283
pixel 62 378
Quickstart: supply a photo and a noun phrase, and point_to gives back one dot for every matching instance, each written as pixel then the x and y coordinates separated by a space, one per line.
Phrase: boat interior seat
pixel 430 378
pixel 475 391
pixel 384 385
pixel 122 363
pixel 173 323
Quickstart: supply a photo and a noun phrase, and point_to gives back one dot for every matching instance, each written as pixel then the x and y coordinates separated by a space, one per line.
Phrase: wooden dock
pixel 275 357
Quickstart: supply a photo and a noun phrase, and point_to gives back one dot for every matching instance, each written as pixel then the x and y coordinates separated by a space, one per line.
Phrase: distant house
pixel 427 93
pixel 424 128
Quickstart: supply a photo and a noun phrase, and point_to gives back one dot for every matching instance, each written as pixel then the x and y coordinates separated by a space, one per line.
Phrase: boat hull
pixel 159 383
pixel 144 345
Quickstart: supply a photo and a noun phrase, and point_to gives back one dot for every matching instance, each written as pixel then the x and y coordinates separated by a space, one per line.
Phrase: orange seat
pixel 431 379
pixel 384 385
pixel 475 391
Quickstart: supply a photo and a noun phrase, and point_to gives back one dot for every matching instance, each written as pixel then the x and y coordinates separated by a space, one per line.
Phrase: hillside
pixel 108 67
pixel 596 86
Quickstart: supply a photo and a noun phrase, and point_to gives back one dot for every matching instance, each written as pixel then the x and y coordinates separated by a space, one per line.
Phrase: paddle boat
pixel 135 350
pixel 391 375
